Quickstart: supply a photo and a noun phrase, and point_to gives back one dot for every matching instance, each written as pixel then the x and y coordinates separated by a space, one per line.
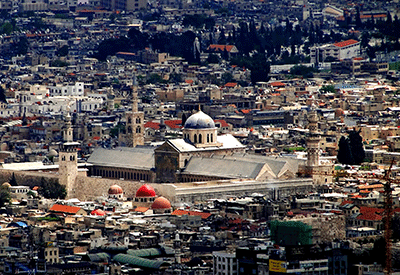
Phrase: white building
pixel 68 90
pixel 341 50
pixel 224 263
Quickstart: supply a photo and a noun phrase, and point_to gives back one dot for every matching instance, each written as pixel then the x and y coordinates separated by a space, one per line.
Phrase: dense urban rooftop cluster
pixel 199 137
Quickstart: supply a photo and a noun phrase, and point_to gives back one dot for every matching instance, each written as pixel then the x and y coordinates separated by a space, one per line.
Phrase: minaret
pixel 163 128
pixel 313 140
pixel 68 159
pixel 134 125
pixel 110 100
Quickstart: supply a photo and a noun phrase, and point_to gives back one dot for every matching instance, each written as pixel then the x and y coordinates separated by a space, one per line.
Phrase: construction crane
pixel 388 219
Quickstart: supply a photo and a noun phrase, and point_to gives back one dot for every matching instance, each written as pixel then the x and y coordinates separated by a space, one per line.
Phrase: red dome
pixel 115 189
pixel 97 212
pixel 145 191
pixel 161 203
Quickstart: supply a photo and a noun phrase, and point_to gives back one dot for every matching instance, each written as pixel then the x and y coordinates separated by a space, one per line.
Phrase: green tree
pixel 227 77
pixel 175 78
pixel 58 63
pixel 351 149
pixel 51 189
pixel 21 46
pixel 13 180
pixel 302 70
pixel 357 147
pixel 213 58
pixel 6 28
pixel 344 155
pixel 154 78
pixel 63 51
pixel 2 95
pixel 5 196
pixel 328 89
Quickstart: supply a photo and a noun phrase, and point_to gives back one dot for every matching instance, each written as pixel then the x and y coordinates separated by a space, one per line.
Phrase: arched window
pixel 138 129
pixel 137 120
pixel 200 138
pixel 212 140
pixel 208 138
pixel 129 129
pixel 129 120
pixel 195 138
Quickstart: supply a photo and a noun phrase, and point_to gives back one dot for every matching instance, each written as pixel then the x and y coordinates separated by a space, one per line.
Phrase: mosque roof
pixel 199 120
pixel 125 157
pixel 227 142
pixel 161 203
pixel 145 191
pixel 115 189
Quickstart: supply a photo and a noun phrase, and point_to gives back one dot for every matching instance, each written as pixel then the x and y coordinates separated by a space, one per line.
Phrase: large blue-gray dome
pixel 199 120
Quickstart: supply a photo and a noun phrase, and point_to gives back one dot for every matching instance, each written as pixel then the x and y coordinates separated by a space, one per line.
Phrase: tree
pixel 63 51
pixel 5 196
pixel 13 180
pixel 184 118
pixel 351 149
pixel 2 95
pixel 21 46
pixel 356 145
pixel 213 58
pixel 51 189
pixel 344 155
pixel 328 89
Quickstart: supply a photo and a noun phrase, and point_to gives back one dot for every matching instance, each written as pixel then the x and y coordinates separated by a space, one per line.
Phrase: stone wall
pixel 88 188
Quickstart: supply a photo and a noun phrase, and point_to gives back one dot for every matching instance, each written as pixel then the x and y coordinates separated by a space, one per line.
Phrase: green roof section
pixel 139 262
pixel 97 257
pixel 145 253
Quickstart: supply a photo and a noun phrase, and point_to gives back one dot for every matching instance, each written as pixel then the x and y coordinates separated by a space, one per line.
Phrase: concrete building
pixel 338 51
pixel 77 89
pixel 224 263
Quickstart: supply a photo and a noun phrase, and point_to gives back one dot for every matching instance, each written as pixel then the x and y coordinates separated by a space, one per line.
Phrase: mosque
pixel 199 166
pixel 201 155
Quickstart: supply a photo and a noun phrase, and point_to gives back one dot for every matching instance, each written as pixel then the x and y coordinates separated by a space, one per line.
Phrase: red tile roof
pixel 222 122
pixel 153 125
pixel 367 209
pixel 345 43
pixel 221 48
pixel 174 124
pixel 277 84
pixel 366 16
pixel 179 212
pixel 370 217
pixel 231 84
pixel 346 202
pixel 141 209
pixel 64 209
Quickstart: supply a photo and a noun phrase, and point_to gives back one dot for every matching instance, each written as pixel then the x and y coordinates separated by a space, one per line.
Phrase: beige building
pixel 124 5
pixel 148 56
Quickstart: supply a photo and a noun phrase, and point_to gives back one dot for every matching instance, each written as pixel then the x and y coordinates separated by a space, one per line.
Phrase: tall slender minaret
pixel 68 159
pixel 134 125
